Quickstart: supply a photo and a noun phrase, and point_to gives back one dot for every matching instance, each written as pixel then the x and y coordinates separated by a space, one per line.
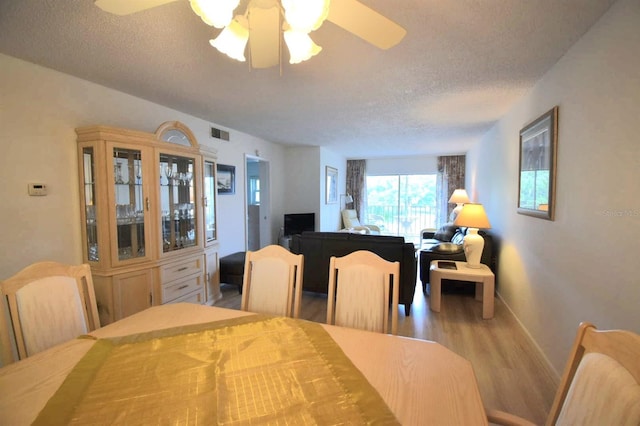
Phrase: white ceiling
pixel 461 66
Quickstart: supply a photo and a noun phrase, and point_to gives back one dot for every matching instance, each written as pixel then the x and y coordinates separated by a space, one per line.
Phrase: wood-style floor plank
pixel 511 375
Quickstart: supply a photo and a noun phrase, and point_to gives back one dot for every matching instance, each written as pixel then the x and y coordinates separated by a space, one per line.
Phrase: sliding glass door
pixel 401 204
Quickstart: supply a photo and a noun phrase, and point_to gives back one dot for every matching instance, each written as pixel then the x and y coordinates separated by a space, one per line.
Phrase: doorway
pixel 257 203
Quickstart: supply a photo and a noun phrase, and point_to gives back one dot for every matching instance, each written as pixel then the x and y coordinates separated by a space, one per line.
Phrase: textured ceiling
pixel 461 66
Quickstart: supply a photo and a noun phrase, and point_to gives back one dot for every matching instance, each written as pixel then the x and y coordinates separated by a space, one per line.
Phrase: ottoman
pixel 232 269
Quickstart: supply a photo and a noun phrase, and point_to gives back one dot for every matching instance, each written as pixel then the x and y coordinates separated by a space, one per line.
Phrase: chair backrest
pixel 359 288
pixel 49 303
pixel 350 218
pixel 272 282
pixel 601 382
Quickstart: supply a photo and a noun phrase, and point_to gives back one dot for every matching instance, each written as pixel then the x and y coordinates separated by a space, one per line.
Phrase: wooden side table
pixel 482 277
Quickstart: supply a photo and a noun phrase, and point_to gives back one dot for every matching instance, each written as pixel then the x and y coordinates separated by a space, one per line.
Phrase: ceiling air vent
pixel 219 134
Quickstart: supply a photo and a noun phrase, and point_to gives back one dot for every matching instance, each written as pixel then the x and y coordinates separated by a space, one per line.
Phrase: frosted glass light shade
pixel 232 41
pixel 305 15
pixel 217 13
pixel 300 45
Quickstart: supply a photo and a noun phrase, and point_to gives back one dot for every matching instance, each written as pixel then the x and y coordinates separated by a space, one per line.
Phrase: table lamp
pixel 473 216
pixel 459 198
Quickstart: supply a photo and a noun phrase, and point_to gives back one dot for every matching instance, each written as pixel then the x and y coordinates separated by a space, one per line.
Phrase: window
pixel 254 190
pixel 402 204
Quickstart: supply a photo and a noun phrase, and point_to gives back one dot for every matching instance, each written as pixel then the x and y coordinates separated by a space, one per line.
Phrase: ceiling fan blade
pixel 264 36
pixel 127 7
pixel 366 23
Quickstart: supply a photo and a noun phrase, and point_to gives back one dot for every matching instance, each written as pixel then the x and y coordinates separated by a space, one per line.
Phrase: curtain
pixel 356 186
pixel 451 175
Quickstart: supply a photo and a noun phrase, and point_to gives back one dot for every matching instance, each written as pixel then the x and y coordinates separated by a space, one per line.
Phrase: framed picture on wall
pixel 331 185
pixel 537 179
pixel 226 181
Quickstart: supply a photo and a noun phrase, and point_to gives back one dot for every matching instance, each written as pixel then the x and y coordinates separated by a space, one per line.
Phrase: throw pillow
pixel 446 232
pixel 458 237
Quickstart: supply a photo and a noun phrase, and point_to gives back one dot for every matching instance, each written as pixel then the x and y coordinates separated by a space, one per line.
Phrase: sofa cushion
pixel 445 233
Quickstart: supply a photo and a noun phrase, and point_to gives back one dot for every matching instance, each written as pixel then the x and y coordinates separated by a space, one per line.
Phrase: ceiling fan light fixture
pixel 232 41
pixel 305 15
pixel 300 45
pixel 217 13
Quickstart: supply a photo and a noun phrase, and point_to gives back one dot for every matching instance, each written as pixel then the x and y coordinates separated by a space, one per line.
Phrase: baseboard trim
pixel 551 371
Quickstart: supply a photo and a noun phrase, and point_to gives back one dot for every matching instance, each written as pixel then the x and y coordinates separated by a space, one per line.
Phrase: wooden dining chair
pixel 600 384
pixel 272 282
pixel 359 287
pixel 49 303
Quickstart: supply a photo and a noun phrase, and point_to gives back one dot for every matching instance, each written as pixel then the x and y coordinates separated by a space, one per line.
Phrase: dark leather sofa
pixel 446 244
pixel 318 247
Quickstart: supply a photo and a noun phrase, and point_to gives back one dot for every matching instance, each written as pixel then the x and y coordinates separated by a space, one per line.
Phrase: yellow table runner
pixel 244 371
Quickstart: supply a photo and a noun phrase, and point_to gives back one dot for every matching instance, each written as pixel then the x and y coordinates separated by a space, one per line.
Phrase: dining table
pixel 195 364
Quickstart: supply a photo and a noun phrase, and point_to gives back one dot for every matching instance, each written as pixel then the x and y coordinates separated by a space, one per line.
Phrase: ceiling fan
pixel 264 21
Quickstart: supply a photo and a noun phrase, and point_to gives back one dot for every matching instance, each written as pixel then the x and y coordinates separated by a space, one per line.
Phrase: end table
pixel 482 277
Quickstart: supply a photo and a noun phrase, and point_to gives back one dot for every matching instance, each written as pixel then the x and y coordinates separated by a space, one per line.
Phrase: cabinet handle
pixel 147 202
pixel 183 287
pixel 184 268
pixel 150 299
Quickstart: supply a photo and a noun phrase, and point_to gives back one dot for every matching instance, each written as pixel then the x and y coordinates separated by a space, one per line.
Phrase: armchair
pixel 351 221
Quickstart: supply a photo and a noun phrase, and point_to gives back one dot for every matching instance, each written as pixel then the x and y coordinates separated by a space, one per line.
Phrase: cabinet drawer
pixel 183 287
pixel 178 270
pixel 197 298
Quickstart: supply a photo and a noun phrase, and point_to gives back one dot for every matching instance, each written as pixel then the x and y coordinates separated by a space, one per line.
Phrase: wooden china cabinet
pixel 148 208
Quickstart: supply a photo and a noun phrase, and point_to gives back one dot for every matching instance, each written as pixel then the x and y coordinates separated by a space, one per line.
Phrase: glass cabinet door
pixel 130 203
pixel 91 225
pixel 177 202
pixel 210 201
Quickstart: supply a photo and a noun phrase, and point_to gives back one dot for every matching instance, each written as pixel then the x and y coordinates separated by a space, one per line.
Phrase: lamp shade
pixel 217 13
pixel 300 45
pixel 348 199
pixel 459 196
pixel 305 15
pixel 233 39
pixel 473 216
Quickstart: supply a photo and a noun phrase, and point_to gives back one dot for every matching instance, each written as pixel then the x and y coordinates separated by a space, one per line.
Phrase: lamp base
pixel 473 245
pixel 455 212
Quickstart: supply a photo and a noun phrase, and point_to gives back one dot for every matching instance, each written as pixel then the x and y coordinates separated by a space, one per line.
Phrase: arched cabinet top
pixel 177 133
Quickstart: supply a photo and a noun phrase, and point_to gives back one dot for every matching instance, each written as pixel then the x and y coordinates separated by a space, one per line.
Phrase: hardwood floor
pixel 511 375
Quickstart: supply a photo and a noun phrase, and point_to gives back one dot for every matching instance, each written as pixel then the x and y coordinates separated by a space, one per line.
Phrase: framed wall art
pixel 226 180
pixel 331 178
pixel 537 179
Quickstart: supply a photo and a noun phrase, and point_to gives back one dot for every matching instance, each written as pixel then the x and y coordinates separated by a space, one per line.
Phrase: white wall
pixel 330 216
pixel 306 185
pixel 302 181
pixel 582 266
pixel 39 110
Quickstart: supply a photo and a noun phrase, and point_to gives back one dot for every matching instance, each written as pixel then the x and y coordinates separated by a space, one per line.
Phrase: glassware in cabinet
pixel 89 199
pixel 130 203
pixel 209 201
pixel 177 202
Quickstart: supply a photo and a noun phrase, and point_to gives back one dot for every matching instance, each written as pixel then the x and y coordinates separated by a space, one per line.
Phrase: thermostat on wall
pixel 37 189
